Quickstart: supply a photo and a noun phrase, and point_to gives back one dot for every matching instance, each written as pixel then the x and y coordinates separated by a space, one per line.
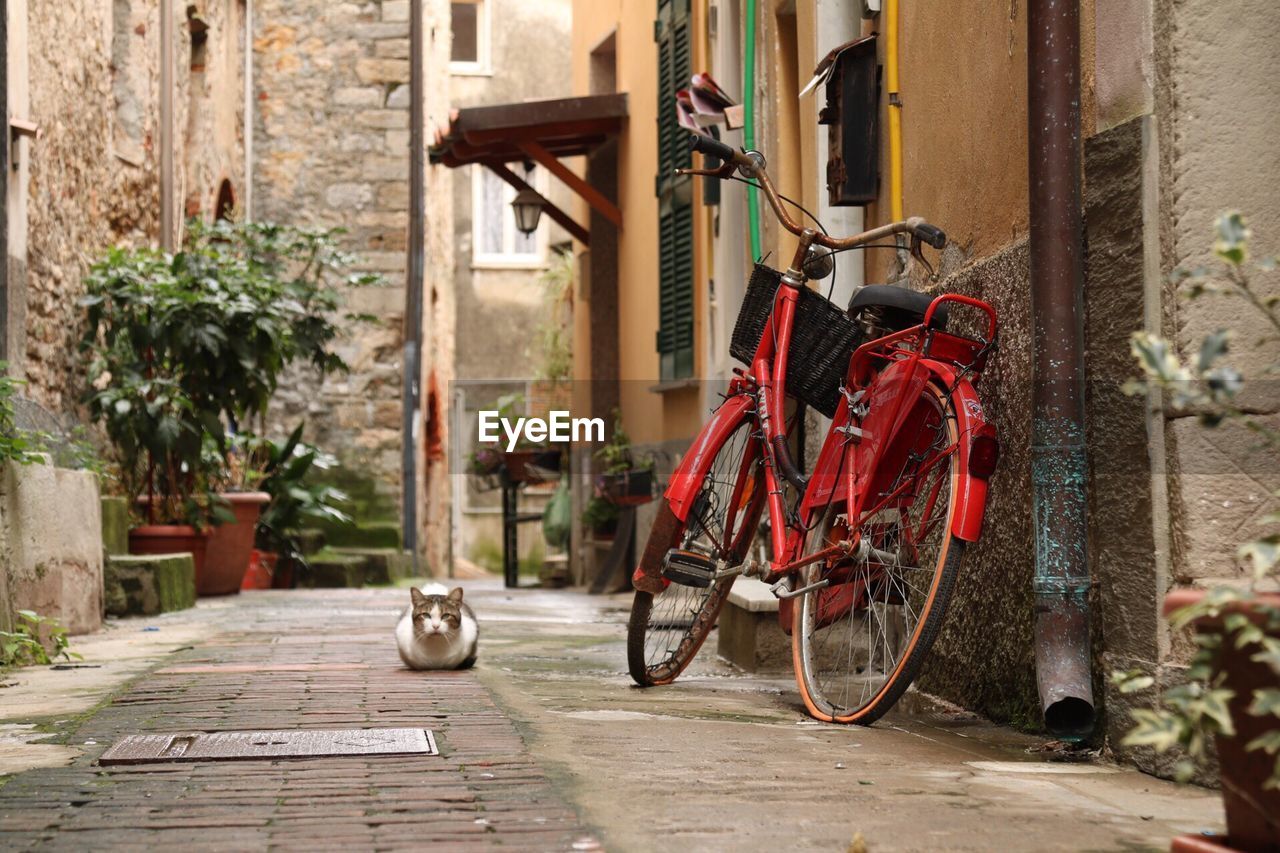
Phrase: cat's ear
pixel 416 596
pixel 455 594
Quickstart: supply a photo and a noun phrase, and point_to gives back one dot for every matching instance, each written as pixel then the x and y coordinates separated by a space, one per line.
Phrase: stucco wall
pixel 963 79
pixel 51 545
pixel 1220 142
pixel 499 310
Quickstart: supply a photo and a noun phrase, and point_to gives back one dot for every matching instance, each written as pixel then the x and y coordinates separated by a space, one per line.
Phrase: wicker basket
pixel 822 340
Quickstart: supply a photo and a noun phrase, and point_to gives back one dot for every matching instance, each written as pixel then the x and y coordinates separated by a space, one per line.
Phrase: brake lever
pixel 723 172
pixel 917 252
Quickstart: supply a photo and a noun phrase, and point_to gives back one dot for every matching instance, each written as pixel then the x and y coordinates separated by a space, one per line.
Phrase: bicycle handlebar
pixel 751 167
pixel 713 147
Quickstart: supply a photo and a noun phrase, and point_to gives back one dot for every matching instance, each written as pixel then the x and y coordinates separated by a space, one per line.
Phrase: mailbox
pixel 852 117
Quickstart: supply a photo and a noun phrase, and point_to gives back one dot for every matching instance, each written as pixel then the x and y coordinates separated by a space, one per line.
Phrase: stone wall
pixel 332 149
pixel 87 72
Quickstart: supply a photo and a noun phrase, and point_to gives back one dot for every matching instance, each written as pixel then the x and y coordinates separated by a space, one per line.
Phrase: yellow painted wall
pixel 963 78
pixel 649 416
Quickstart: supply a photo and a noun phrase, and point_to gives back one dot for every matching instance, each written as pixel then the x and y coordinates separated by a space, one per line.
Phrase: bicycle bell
pixel 818 263
pixel 759 164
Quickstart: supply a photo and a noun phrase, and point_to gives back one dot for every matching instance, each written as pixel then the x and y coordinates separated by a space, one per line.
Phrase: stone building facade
pixel 87 73
pixel 331 149
pixel 84 78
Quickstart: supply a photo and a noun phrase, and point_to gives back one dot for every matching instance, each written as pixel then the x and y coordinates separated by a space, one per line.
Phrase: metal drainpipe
pixel 1058 461
pixel 410 383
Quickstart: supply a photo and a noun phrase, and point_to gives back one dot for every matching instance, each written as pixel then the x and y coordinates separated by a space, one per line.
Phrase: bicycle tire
pixel 658 649
pixel 816 691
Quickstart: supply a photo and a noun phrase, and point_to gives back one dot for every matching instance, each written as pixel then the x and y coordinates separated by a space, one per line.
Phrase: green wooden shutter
pixel 675 195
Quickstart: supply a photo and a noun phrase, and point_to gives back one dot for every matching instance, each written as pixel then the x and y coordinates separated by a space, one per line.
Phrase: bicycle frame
pixel 883 375
pixel 890 371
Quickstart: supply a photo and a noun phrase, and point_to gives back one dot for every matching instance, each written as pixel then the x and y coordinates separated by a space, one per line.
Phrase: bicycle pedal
pixel 688 568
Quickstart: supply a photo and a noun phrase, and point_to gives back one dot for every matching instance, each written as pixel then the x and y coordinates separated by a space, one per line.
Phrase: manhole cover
pixel 297 743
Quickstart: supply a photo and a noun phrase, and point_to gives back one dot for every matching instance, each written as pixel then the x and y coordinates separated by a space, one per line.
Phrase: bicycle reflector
pixel 984 452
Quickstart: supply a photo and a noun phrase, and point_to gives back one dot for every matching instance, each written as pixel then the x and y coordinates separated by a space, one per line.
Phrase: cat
pixel 437 631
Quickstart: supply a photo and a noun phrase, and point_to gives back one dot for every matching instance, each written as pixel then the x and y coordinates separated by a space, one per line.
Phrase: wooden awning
pixel 541 132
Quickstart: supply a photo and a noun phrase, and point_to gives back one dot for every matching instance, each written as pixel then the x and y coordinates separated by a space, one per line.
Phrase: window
pixel 675 197
pixel 470 51
pixel 495 240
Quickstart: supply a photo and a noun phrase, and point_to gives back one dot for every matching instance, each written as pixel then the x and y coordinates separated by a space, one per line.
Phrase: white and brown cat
pixel 437 631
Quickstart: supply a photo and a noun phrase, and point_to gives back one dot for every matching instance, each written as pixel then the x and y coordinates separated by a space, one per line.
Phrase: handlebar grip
pixel 713 147
pixel 930 234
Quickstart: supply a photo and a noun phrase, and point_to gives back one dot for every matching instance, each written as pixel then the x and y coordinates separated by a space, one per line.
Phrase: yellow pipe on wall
pixel 895 109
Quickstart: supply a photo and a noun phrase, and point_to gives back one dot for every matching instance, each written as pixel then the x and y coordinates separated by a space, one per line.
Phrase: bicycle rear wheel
pixel 666 629
pixel 859 643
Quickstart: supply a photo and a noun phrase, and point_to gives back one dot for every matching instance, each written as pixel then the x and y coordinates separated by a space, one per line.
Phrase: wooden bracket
pixel 557 215
pixel 590 194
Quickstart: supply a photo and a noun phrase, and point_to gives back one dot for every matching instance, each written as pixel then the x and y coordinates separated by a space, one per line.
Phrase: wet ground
pixel 546 745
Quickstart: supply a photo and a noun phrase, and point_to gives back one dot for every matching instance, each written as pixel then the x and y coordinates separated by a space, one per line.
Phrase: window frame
pixel 481 67
pixel 507 260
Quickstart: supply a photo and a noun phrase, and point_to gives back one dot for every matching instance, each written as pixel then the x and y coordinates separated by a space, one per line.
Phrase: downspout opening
pixel 1069 718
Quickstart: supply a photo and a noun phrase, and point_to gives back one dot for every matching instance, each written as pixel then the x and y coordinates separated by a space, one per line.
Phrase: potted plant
pixel 623 480
pixel 1231 696
pixel 184 349
pixel 526 463
pixel 288 468
pixel 600 516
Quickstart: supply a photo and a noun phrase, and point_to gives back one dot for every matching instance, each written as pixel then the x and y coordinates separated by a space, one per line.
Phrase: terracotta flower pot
pixel 230 545
pixel 629 488
pixel 262 570
pixel 1253 813
pixel 521 466
pixel 170 539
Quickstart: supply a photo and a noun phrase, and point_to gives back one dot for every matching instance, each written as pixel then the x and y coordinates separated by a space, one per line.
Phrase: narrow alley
pixel 544 745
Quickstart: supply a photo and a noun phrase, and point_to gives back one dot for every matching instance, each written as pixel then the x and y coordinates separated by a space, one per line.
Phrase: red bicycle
pixel 866 553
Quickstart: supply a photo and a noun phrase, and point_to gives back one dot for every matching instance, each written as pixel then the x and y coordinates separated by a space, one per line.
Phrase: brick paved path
pixel 296 660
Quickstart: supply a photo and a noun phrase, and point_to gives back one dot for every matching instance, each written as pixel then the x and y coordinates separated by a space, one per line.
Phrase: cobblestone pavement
pixel 546 746
pixel 306 660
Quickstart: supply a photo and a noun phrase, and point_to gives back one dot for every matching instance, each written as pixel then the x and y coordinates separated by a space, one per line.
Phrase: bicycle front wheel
pixel 858 644
pixel 667 629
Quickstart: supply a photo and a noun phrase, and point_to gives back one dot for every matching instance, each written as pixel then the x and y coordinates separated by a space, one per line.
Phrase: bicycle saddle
pixel 904 307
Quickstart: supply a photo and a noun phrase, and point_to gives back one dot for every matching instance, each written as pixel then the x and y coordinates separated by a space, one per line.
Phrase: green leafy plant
pixel 617 456
pixel 599 514
pixel 553 339
pixel 178 345
pixel 24 645
pixel 1188 715
pixel 288 470
pixel 16 445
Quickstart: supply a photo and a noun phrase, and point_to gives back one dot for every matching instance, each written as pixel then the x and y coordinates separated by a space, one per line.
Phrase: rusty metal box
pixel 852 116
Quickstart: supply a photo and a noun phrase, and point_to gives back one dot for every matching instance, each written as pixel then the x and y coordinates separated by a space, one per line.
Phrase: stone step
pixel 382 565
pixel 363 534
pixel 115 525
pixel 749 634
pixel 144 585
pixel 311 540
pixel 331 569
pixel 555 572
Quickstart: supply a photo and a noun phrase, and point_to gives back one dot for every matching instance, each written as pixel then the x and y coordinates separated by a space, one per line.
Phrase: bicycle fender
pixel 686 481
pixel 971 421
pixel 971 491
